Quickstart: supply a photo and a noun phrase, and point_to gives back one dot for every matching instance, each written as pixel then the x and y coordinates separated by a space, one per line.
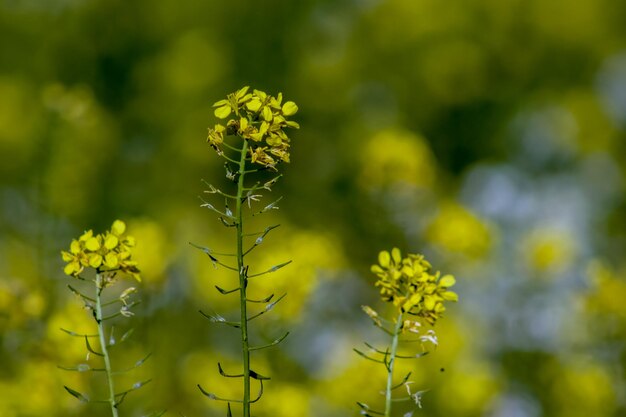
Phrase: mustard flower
pixel 409 283
pixel 110 251
pixel 258 118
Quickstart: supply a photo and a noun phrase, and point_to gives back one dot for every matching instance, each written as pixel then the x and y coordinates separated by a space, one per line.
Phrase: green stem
pixel 392 359
pixel 103 344
pixel 245 347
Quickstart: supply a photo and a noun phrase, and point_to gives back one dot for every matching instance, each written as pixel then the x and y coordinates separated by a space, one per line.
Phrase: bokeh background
pixel 488 135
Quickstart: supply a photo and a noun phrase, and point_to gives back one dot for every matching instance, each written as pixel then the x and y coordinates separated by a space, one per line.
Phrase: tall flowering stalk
pixel 98 260
pixel 252 140
pixel 417 295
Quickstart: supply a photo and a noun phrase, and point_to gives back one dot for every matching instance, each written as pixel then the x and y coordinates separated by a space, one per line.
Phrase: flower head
pixel 260 119
pixel 410 284
pixel 110 251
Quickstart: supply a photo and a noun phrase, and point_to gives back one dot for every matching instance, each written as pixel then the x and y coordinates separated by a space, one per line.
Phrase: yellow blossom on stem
pixel 409 283
pixel 258 118
pixel 107 252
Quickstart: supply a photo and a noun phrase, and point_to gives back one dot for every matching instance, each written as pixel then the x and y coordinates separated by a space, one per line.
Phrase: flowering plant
pixel 108 254
pixel 417 295
pixel 252 140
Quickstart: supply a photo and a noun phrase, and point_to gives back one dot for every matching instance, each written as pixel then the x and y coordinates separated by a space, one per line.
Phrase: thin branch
pixel 367 357
pixel 274 343
pixel 271 206
pixel 268 308
pixel 264 300
pixel 259 240
pixel 221 320
pixel 272 269
pixel 71 333
pixel 223 291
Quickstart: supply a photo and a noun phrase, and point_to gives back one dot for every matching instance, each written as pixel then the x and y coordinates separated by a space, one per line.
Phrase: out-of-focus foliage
pixel 488 135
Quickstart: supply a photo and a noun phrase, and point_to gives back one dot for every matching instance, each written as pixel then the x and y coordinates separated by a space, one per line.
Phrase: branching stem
pixel 245 347
pixel 390 364
pixel 103 344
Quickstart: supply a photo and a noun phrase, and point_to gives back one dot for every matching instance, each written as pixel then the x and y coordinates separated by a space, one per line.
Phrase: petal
pixel 111 242
pixel 450 296
pixel 220 103
pixel 290 108
pixel 111 260
pixel 92 244
pixel 95 260
pixel 396 255
pixel 242 92
pixel 267 113
pixel 129 241
pixel 69 268
pixel 118 228
pixel 429 303
pixel 384 258
pixel 222 112
pixel 254 104
pixel 447 281
pixel 75 247
pixel 86 236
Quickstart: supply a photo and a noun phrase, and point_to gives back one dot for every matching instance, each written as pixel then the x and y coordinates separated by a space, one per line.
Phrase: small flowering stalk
pixel 417 296
pixel 252 141
pixel 106 255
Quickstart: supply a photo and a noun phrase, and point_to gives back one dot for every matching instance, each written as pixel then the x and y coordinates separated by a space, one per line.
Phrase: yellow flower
pixel 107 252
pixel 232 103
pixel 216 136
pixel 410 285
pixel 258 117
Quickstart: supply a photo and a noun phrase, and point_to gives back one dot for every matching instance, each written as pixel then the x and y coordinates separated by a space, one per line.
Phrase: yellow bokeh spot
pixel 153 253
pixel 472 391
pixel 548 250
pixel 311 253
pixel 285 400
pixel 608 292
pixel 70 317
pixel 393 157
pixel 456 229
pixel 582 391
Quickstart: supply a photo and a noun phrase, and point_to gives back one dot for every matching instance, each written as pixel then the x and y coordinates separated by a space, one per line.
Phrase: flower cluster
pixel 107 252
pixel 410 285
pixel 258 118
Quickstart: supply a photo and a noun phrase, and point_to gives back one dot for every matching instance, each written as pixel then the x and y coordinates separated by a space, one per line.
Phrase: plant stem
pixel 103 345
pixel 392 359
pixel 245 347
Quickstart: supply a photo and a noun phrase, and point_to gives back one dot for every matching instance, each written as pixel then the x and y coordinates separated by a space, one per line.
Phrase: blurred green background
pixel 488 135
